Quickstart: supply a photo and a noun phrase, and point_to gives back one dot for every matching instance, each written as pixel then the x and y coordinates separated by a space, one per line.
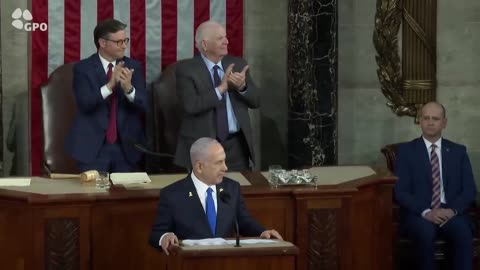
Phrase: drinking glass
pixel 102 180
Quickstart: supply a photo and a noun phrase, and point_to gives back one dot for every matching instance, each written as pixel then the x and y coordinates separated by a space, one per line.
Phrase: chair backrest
pixel 58 112
pixel 389 151
pixel 167 117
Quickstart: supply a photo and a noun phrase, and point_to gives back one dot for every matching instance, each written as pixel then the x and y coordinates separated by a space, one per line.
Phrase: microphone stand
pixel 225 197
pixel 237 234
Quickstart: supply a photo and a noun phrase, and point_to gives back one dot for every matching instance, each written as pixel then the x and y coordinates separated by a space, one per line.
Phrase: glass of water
pixel 103 180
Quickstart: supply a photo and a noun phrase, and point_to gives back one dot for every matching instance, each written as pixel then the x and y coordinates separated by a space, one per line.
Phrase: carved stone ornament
pixel 388 19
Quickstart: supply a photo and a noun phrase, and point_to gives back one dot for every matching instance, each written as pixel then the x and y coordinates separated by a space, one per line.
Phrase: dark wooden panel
pixel 120 236
pixel 15 236
pixel 322 232
pixel 62 244
pixel 273 212
pixel 242 263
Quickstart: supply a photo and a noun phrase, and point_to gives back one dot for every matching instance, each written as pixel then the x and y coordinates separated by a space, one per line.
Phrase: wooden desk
pixel 276 256
pixel 345 226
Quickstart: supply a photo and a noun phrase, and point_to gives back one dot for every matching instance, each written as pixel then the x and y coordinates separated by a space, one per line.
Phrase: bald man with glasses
pixel 109 91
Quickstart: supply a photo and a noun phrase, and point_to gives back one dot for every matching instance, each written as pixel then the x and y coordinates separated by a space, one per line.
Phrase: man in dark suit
pixel 216 91
pixel 435 187
pixel 205 204
pixel 109 91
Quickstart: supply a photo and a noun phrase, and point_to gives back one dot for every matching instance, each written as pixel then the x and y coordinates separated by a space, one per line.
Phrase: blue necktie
pixel 210 210
pixel 221 110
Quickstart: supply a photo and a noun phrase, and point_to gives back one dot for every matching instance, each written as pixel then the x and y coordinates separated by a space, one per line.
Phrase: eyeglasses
pixel 120 41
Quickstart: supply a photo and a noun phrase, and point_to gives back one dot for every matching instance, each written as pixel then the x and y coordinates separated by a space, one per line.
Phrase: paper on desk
pixel 205 242
pixel 221 241
pixel 14 182
pixel 252 241
pixel 130 178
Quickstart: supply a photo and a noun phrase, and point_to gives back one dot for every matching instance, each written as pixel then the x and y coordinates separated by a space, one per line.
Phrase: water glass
pixel 103 180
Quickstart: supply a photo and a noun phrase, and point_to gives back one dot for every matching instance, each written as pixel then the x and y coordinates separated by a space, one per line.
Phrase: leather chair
pixel 402 247
pixel 58 111
pixel 167 116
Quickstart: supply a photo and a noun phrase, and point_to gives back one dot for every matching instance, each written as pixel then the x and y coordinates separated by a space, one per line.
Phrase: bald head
pixel 211 40
pixel 200 149
pixel 432 105
pixel 433 121
pixel 204 32
pixel 208 160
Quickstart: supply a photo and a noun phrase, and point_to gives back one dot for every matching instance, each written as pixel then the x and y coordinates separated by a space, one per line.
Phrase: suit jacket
pixel 413 190
pixel 197 95
pixel 87 133
pixel 180 211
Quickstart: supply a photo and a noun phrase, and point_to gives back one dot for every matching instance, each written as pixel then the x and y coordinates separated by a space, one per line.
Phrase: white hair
pixel 202 33
pixel 199 149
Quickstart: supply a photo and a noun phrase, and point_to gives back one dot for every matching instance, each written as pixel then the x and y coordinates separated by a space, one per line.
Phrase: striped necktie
pixel 435 178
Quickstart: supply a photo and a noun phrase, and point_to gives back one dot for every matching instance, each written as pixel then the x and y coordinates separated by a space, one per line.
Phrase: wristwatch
pixel 130 91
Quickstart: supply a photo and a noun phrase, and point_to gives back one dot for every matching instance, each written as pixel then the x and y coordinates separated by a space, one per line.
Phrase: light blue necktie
pixel 210 210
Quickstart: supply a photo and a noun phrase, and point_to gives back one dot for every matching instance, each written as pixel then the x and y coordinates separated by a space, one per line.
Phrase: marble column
pixel 312 82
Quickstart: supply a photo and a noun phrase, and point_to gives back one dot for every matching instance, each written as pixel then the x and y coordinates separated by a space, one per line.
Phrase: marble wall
pixel 312 83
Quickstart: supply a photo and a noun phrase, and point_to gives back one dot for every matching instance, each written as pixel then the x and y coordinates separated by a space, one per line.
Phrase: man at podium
pixel 205 204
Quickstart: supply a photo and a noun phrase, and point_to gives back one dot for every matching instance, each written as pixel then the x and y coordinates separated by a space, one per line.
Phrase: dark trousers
pixel 237 152
pixel 110 158
pixel 457 231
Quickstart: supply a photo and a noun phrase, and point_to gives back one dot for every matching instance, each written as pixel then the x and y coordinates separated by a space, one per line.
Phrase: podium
pixel 280 255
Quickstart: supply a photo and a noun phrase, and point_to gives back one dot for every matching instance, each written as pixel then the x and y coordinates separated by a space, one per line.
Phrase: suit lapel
pixel 422 153
pixel 195 205
pixel 203 72
pixel 99 71
pixel 445 159
pixel 221 210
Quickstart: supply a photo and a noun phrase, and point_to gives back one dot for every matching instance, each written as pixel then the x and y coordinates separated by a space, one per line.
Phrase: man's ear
pixel 198 166
pixel 102 42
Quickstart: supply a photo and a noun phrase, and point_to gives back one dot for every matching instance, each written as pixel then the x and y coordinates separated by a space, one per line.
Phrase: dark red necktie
pixel 112 122
pixel 221 110
pixel 436 188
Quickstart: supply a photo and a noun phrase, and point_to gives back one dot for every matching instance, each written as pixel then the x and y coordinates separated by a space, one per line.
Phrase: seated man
pixel 205 204
pixel 434 189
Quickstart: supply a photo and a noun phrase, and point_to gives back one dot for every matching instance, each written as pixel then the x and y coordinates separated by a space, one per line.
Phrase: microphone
pixel 225 197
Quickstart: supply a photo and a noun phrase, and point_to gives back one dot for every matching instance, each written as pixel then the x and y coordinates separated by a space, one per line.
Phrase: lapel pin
pixel 221 189
pixel 190 194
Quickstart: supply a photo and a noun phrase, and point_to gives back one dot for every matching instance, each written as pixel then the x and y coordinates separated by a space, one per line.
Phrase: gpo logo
pixel 27 25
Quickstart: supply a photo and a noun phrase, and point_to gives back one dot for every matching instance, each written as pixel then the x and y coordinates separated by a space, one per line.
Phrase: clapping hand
pixel 237 79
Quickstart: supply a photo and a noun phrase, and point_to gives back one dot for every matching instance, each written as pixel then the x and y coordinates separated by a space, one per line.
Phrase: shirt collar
pixel 105 62
pixel 428 144
pixel 211 64
pixel 200 186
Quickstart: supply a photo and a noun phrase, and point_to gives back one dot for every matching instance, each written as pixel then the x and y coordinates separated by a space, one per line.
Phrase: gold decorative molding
pixel 410 82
